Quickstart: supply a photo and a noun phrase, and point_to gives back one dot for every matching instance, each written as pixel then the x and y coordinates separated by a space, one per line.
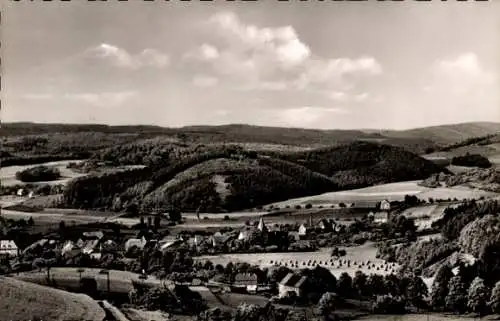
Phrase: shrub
pixel 38 174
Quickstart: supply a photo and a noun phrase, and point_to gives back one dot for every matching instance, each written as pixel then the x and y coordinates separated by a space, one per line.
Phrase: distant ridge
pixel 424 136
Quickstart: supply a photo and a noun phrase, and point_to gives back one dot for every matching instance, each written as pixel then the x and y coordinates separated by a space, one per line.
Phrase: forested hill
pixel 218 177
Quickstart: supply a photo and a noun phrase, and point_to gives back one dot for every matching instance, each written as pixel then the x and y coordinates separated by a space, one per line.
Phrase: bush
pixel 38 174
pixel 471 160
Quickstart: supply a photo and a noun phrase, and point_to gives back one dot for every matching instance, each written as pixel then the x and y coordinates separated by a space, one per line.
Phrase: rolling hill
pixel 220 177
pixel 447 134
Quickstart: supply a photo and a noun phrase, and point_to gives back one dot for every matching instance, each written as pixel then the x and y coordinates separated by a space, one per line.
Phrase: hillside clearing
pixel 22 301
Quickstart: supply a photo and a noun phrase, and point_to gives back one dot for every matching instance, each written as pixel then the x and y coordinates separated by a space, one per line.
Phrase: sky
pixel 314 64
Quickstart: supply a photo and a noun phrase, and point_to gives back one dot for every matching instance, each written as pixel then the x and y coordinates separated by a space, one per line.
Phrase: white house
pixel 31 194
pixel 70 249
pixel 8 248
pixel 385 205
pixel 20 192
pixel 303 229
pixel 139 243
pixel 292 283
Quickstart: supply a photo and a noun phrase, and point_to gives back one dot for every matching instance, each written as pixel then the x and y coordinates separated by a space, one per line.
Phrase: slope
pixel 191 177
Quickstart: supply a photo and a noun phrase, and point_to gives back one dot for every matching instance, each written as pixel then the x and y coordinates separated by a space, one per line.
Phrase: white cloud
pixel 204 81
pixel 308 115
pixel 278 44
pixel 121 58
pixel 274 58
pixel 37 96
pixel 460 89
pixel 106 99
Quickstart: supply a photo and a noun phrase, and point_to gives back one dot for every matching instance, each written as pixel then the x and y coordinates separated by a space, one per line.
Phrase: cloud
pixel 461 86
pixel 204 81
pixel 119 57
pixel 308 115
pixel 106 99
pixel 37 96
pixel 280 44
pixel 254 57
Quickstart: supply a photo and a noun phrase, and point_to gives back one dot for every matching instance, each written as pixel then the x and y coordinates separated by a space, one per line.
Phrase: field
pixel 356 255
pixel 8 174
pixel 424 216
pixel 416 317
pixel 390 192
pixel 22 301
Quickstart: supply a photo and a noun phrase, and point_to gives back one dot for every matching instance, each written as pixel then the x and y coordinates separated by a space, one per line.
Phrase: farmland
pixel 390 192
pixel 8 174
pixel 356 255
pixel 22 301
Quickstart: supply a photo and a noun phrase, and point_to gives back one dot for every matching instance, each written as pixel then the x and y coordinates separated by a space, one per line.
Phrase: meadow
pixel 8 174
pixel 390 192
pixel 356 255
pixel 20 301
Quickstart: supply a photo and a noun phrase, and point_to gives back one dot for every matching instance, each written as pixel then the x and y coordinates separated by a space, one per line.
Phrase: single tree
pixel 326 304
pixel 477 296
pixel 494 302
pixel 440 287
pixel 456 300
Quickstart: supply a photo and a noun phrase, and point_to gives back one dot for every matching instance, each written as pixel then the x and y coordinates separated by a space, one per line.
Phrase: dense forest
pixel 220 177
pixel 471 160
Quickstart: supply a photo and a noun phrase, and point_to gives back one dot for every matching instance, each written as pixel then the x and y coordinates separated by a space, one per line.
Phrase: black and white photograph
pixel 265 160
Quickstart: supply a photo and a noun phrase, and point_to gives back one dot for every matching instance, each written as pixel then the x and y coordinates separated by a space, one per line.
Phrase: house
pixel 365 205
pixel 93 235
pixel 20 192
pixel 247 281
pixel 325 225
pixel 31 194
pixel 385 205
pixel 70 249
pixel 303 230
pixel 8 248
pixel 262 226
pixel 381 217
pixel 293 283
pixel 139 243
pixel 89 246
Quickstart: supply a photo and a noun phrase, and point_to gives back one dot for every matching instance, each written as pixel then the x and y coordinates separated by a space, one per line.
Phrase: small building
pixel 70 249
pixel 31 194
pixel 381 217
pixel 294 283
pixel 303 230
pixel 325 225
pixel 139 243
pixel 385 205
pixel 93 235
pixel 247 281
pixel 365 205
pixel 8 248
pixel 89 246
pixel 20 192
pixel 262 226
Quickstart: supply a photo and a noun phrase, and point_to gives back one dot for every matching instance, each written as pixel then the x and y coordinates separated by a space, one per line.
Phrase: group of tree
pixel 38 174
pixel 471 160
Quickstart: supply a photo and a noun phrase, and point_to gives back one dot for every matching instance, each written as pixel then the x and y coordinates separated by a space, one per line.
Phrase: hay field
pixel 22 301
pixel 357 255
pixel 391 192
pixel 8 174
pixel 417 317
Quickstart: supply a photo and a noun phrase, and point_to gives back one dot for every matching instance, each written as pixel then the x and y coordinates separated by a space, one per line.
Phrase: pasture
pixel 417 317
pixel 20 301
pixel 8 174
pixel 390 192
pixel 358 257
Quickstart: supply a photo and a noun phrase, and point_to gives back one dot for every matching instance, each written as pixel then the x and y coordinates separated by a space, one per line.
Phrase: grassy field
pixel 20 301
pixel 357 256
pixel 391 192
pixel 8 174
pixel 417 317
pixel 425 215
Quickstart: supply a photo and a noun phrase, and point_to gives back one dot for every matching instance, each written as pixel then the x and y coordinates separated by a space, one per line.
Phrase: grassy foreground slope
pixel 20 301
pixel 228 177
